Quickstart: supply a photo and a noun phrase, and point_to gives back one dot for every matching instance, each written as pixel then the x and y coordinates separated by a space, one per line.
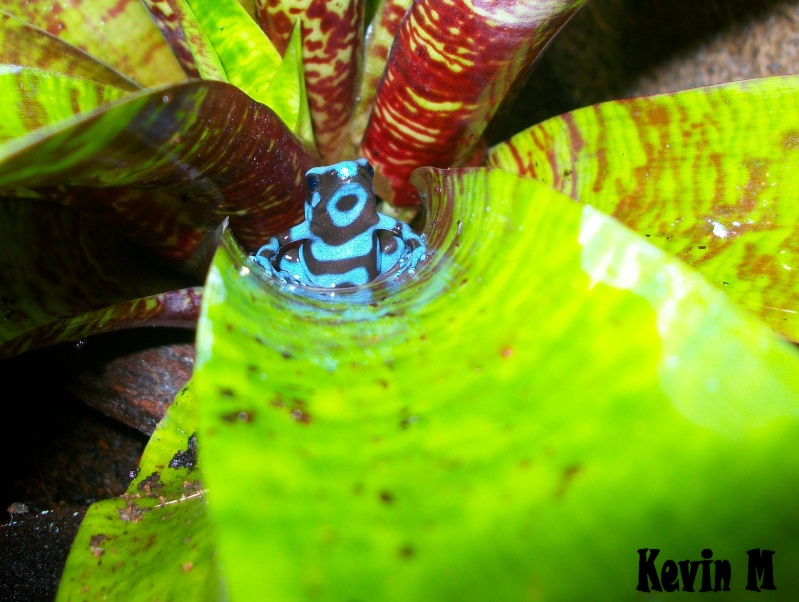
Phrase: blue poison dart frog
pixel 343 241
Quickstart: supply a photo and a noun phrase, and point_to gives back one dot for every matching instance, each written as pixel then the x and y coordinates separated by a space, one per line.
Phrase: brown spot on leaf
pixel 567 477
pixel 791 140
pixel 96 544
pixel 386 497
pixel 238 416
pixel 301 416
pixel 151 485
pixel 132 512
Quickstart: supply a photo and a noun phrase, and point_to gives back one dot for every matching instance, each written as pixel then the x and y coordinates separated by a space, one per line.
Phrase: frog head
pixel 341 200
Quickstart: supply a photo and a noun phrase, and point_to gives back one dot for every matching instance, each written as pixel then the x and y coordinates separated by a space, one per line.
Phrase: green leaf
pixel 286 93
pixel 33 98
pixel 28 46
pixel 708 175
pixel 155 542
pixel 222 42
pixel 451 65
pixel 121 33
pixel 547 394
pixel 248 57
pixel 176 139
pixel 249 62
pixel 187 39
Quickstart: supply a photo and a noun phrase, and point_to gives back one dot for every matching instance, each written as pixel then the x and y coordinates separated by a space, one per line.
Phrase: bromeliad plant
pixel 589 361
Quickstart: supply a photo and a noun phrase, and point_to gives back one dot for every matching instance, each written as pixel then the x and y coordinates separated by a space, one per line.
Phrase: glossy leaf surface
pixel 220 41
pixel 577 406
pixel 187 39
pixel 107 29
pixel 32 98
pixel 450 66
pixel 248 57
pixel 710 175
pixel 65 276
pixel 155 542
pixel 179 140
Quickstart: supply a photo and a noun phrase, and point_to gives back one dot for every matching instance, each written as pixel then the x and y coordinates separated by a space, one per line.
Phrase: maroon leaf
pixel 178 308
pixel 64 276
pixel 217 150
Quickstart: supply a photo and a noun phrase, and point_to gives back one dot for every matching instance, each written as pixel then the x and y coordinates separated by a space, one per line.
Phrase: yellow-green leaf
pixel 709 174
pixel 156 541
pixel 248 57
pixel 32 98
pixel 546 395
pixel 24 45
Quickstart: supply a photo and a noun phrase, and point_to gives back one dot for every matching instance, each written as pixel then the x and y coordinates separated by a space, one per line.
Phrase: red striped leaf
pixel 451 65
pixel 332 38
pixel 177 139
pixel 377 43
pixel 64 276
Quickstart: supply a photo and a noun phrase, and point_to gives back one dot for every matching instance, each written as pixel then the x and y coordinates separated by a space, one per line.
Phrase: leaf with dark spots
pixel 158 532
pixel 132 512
pixel 151 485
pixel 243 417
pixel 28 46
pixel 491 467
pixel 177 139
pixel 451 65
pixel 707 174
pixel 126 25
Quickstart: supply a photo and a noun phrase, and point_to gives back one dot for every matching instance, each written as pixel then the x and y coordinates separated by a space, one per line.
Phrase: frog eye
pixel 370 170
pixel 312 181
